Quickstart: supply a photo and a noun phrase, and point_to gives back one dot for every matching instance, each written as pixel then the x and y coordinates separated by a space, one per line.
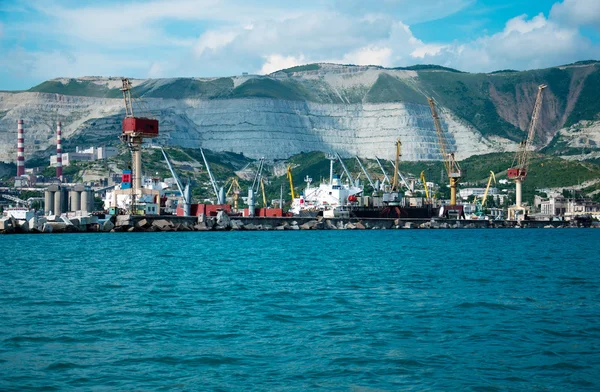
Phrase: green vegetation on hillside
pixel 301 68
pixel 84 88
pixel 428 67
pixel 391 89
pixel 189 88
pixel 587 106
pixel 267 88
pixel 467 95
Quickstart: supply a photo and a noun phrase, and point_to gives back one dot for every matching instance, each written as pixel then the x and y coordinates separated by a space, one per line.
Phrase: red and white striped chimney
pixel 58 151
pixel 20 149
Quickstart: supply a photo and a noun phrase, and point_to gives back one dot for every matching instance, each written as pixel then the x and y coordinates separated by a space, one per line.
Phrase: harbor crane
pixel 519 169
pixel 480 204
pixel 219 192
pixel 258 175
pixel 487 188
pixel 235 187
pixel 385 176
pixel 450 164
pixel 24 203
pixel 186 194
pixel 264 196
pixel 395 182
pixel 366 174
pixel 424 181
pixel 344 167
pixel 135 130
pixel 289 175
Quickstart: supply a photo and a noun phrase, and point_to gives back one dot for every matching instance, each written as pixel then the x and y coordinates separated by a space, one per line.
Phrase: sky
pixel 45 39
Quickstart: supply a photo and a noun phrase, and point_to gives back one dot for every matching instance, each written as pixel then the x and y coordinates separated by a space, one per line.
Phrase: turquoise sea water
pixel 362 311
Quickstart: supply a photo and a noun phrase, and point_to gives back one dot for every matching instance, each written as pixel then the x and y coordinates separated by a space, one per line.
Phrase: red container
pixel 144 126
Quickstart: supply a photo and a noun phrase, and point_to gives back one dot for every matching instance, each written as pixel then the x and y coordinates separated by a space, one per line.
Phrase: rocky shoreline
pixel 223 222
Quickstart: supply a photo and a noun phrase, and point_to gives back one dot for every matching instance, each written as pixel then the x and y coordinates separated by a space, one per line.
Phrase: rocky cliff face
pixel 352 110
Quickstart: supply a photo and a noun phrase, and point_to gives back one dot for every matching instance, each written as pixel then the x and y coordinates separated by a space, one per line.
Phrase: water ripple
pixel 361 311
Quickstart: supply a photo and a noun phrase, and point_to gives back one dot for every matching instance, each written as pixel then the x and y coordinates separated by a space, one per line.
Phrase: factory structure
pixel 82 155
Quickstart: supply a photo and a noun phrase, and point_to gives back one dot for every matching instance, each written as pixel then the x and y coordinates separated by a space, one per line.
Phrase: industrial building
pixel 88 154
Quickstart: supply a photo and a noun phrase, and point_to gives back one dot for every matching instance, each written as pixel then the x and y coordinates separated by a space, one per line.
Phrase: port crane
pixel 450 164
pixel 344 167
pixel 422 176
pixel 395 182
pixel 235 187
pixel 135 130
pixel 519 169
pixel 16 200
pixel 264 196
pixel 480 205
pixel 219 192
pixel 186 194
pixel 289 175
pixel 366 174
pixel 385 176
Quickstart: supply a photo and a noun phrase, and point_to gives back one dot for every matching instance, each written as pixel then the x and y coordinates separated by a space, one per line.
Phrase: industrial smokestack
pixel 58 151
pixel 20 149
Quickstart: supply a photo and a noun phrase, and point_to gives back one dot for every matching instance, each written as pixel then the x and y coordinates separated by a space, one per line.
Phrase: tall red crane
pixel 519 169
pixel 135 130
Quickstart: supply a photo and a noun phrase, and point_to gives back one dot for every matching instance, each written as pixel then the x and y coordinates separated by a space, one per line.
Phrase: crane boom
pixel 395 183
pixel 177 181
pixel 289 174
pixel 344 167
pixel 262 187
pixel 487 188
pixel 523 155
pixel 450 164
pixel 366 174
pixel 424 184
pixel 385 176
pixel 518 172
pixel 212 179
pixel 16 200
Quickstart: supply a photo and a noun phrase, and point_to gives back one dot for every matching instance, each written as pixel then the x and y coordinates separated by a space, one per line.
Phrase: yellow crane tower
pixel 487 188
pixel 425 184
pixel 235 186
pixel 262 187
pixel 289 174
pixel 450 164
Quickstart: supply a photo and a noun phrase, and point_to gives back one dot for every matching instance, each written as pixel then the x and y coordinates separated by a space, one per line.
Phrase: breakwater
pixel 223 222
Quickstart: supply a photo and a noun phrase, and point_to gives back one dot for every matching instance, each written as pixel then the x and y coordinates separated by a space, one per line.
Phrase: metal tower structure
pixel 450 164
pixel 519 169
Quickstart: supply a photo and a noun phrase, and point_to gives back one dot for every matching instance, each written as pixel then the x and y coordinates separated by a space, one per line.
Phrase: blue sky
pixel 44 39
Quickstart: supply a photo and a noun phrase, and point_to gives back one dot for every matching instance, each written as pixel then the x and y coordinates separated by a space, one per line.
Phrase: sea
pixel 388 310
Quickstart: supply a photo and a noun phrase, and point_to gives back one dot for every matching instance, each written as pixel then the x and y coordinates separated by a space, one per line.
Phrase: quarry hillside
pixel 354 110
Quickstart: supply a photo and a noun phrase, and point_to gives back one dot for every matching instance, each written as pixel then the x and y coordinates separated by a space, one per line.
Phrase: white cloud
pixel 369 55
pixel 523 44
pixel 577 12
pixel 427 50
pixel 276 62
pixel 212 40
pixel 140 37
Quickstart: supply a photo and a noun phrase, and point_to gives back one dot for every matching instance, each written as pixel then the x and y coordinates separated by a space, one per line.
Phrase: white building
pixel 554 206
pixel 582 207
pixel 466 192
pixel 88 154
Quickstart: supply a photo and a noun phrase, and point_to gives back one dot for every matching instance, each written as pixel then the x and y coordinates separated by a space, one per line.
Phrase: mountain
pixel 355 110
